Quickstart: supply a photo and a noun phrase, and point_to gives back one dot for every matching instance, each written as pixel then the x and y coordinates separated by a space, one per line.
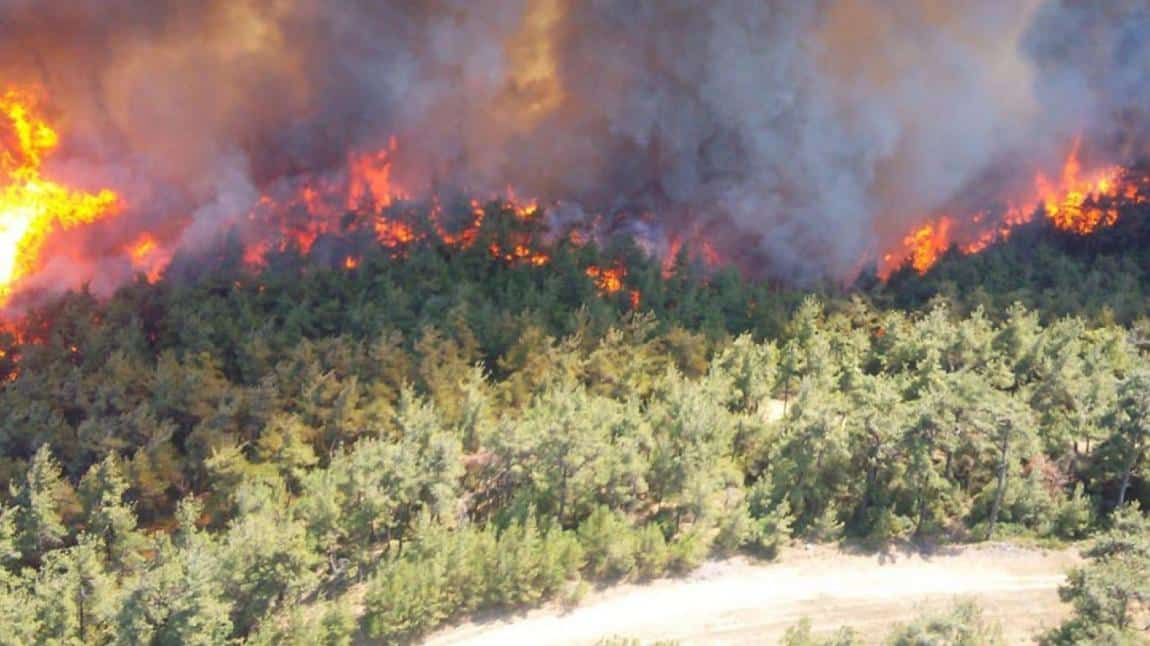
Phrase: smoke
pixel 1093 60
pixel 813 132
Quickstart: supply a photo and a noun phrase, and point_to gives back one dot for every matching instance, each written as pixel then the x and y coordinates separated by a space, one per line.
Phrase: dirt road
pixel 738 602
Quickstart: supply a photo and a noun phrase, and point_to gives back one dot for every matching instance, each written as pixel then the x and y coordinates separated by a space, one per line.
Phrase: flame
pixel 519 253
pixel 1077 202
pixel 142 247
pixel 673 247
pixel 1067 203
pixel 148 257
pixel 699 249
pixel 463 238
pixel 369 182
pixel 608 280
pixel 523 209
pixel 928 243
pixel 292 211
pixel 13 336
pixel 317 206
pixel 33 207
pixel 393 233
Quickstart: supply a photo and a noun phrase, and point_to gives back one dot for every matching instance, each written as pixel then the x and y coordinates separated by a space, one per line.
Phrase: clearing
pixel 742 602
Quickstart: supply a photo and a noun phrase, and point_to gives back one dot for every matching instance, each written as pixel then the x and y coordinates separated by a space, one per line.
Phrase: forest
pixel 314 453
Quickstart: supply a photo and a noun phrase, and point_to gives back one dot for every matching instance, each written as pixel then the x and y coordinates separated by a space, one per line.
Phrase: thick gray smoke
pixel 816 132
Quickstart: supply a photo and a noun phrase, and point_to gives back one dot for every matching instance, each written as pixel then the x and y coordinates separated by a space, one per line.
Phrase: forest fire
pixel 32 206
pixel 786 153
pixel 610 280
pixel 148 257
pixel 607 279
pixel 292 213
pixel 358 320
pixel 362 195
pixel 1075 202
pixel 928 243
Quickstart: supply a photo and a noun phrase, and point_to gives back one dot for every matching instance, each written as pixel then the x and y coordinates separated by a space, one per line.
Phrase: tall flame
pixel 33 207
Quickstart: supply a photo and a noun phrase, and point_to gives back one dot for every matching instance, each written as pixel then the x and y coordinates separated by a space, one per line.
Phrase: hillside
pixel 1101 276
pixel 225 454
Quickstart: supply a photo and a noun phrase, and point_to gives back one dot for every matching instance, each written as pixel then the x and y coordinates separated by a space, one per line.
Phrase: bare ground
pixel 742 602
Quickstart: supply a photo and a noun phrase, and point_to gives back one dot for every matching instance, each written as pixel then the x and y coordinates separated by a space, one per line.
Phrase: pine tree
pixel 108 517
pixel 76 597
pixel 1110 593
pixel 1129 424
pixel 180 598
pixel 40 522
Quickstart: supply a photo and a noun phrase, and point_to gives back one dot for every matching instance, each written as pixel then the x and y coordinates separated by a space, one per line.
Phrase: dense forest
pixel 320 450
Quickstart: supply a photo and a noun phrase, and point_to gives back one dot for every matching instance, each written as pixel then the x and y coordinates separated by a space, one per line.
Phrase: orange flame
pixel 698 248
pixel 31 206
pixel 296 211
pixel 1080 203
pixel 369 179
pixel 928 243
pixel 393 233
pixel 319 205
pixel 148 257
pixel 608 280
pixel 1067 203
pixel 519 253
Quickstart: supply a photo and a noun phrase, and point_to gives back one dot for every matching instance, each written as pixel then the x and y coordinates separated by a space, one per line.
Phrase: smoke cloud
pixel 813 132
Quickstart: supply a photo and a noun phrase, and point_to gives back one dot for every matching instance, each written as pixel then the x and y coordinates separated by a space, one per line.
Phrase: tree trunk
pixel 868 490
pixel 1003 463
pixel 83 627
pixel 562 493
pixel 921 510
pixel 922 480
pixel 1126 473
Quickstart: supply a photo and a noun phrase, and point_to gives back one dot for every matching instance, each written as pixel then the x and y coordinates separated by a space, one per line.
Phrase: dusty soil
pixel 742 602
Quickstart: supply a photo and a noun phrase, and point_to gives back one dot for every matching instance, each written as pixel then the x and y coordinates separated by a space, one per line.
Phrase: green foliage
pixel 231 453
pixel 108 517
pixel 802 634
pixel 771 522
pixel 75 597
pixel 40 521
pixel 736 528
pixel 687 551
pixel 961 626
pixel 609 544
pixel 181 598
pixel 1111 592
pixel 447 573
pixel 266 561
pixel 652 555
pixel 1075 516
pixel 405 601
